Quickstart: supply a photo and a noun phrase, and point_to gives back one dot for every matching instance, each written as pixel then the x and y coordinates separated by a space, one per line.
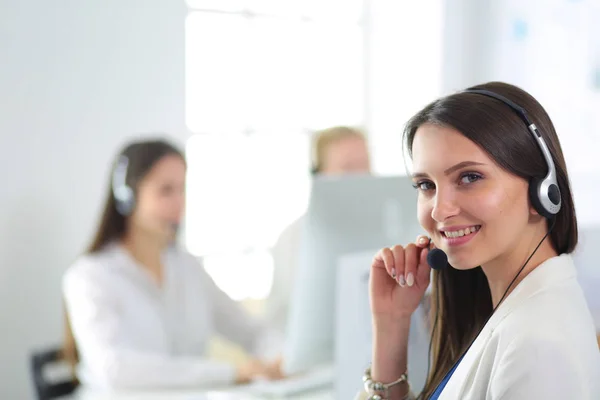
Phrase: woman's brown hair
pixel 464 297
pixel 142 155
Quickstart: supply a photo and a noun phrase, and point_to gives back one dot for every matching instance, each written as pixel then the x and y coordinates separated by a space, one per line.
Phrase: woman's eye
pixel 424 185
pixel 469 178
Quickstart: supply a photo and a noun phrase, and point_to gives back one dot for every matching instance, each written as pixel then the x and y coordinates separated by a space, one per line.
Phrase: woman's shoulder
pixel 549 310
pixel 189 267
pixel 180 255
pixel 550 314
pixel 92 265
pixel 186 262
pixel 535 343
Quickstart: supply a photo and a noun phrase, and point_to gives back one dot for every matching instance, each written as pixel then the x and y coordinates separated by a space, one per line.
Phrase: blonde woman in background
pixel 338 150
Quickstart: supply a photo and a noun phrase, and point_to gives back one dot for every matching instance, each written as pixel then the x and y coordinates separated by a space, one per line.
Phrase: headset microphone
pixel 437 259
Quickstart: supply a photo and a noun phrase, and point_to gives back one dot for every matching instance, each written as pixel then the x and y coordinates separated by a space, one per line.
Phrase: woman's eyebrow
pixel 450 170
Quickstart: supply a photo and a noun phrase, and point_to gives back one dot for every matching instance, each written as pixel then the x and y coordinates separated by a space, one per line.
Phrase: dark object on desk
pixel 46 389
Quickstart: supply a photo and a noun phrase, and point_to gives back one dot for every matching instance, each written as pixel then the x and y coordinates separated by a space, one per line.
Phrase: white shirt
pixel 539 344
pixel 286 256
pixel 132 333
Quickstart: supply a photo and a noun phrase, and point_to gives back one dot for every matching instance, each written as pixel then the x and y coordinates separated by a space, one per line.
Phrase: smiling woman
pixel 474 193
pixel 494 195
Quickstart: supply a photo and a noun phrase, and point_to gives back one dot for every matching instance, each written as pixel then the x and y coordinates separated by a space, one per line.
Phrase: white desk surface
pixel 237 393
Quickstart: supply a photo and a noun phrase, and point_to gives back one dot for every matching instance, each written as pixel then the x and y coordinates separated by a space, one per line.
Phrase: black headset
pixel 122 193
pixel 543 192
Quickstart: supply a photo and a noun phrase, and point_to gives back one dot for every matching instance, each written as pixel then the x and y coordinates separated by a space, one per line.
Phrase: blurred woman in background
pixel 140 310
pixel 338 150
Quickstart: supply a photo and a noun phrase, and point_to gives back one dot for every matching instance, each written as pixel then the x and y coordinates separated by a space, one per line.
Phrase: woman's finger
pixel 422 241
pixel 385 259
pixel 398 252
pixel 423 270
pixel 411 258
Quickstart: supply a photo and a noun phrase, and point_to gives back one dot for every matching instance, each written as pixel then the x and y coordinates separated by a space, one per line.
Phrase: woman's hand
pixel 399 277
pixel 253 369
pixel 273 370
pixel 250 370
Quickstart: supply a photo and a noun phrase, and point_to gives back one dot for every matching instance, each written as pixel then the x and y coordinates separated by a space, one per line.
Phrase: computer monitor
pixel 346 214
pixel 586 262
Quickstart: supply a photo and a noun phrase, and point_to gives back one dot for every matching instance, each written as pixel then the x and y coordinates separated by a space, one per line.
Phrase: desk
pixel 237 393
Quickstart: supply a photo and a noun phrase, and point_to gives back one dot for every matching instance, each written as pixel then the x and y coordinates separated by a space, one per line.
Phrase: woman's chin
pixel 462 264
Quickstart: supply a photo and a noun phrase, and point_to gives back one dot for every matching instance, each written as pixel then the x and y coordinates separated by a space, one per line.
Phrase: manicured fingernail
pixel 401 280
pixel 410 279
pixel 394 273
pixel 422 240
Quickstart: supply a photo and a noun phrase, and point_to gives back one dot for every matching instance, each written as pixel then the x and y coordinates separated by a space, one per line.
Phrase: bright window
pixel 260 75
pixel 405 72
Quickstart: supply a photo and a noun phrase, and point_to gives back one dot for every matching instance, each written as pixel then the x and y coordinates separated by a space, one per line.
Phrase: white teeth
pixel 462 232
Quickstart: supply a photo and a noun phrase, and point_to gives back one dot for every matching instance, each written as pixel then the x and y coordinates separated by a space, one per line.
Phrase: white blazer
pixel 539 344
pixel 133 334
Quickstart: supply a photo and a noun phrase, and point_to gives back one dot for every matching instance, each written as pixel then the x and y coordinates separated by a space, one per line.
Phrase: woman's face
pixel 349 155
pixel 160 199
pixel 473 210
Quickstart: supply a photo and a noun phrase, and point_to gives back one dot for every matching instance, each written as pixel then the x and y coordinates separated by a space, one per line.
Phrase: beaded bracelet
pixel 378 390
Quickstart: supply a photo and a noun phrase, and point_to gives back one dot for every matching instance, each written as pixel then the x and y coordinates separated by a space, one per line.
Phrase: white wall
pixel 76 79
pixel 419 51
pixel 466 53
pixel 405 42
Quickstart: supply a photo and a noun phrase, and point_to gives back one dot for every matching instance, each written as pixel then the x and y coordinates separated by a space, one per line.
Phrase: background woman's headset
pixel 123 194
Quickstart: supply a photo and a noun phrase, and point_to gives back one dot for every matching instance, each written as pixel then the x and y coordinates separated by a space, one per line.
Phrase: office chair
pixel 45 389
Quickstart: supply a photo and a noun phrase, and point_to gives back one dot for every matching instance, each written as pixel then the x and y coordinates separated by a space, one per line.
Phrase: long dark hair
pixel 464 296
pixel 142 155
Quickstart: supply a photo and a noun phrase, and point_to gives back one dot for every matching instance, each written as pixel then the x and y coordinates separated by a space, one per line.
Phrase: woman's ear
pixel 533 211
pixel 534 215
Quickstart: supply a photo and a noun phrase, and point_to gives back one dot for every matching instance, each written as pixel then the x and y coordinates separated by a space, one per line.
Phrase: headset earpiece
pixel 534 190
pixel 544 193
pixel 122 193
pixel 545 197
pixel 124 200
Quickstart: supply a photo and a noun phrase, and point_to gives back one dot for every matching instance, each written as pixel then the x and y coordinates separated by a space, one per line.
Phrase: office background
pixel 77 79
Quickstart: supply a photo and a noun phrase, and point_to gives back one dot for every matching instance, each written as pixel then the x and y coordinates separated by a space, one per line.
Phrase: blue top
pixel 442 385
